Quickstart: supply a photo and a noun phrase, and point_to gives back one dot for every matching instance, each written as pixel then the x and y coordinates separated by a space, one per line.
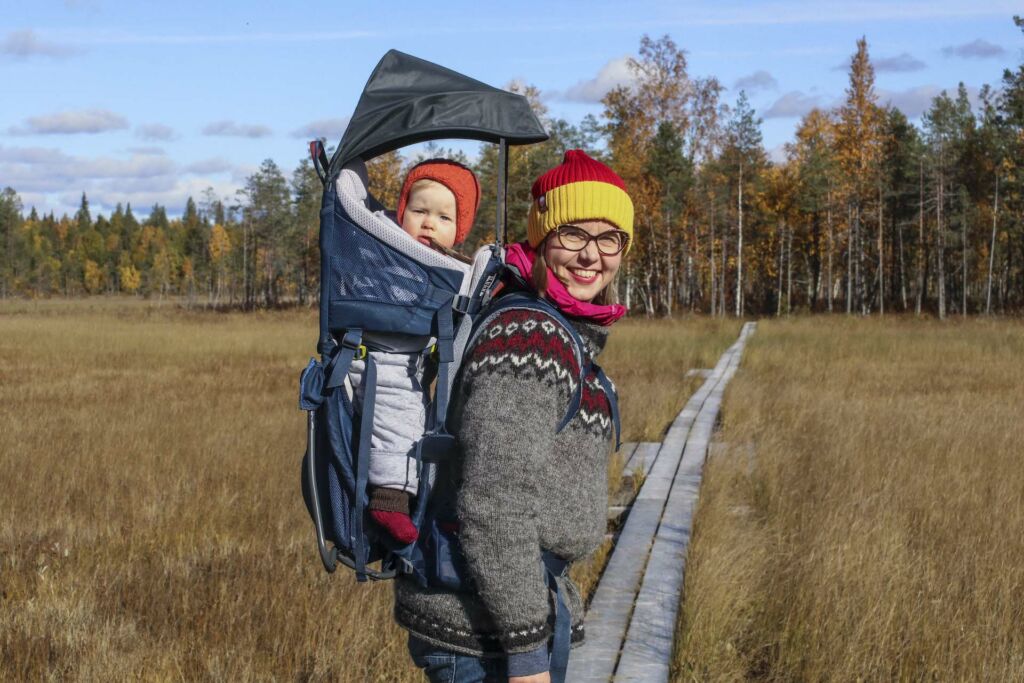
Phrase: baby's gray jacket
pixel 399 416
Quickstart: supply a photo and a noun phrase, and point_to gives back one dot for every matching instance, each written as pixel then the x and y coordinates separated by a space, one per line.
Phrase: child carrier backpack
pixel 374 279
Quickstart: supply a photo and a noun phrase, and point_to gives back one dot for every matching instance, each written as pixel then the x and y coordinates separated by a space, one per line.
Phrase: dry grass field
pixel 151 525
pixel 864 519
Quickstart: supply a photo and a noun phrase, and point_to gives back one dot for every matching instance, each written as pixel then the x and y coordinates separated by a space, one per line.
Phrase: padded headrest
pixel 353 180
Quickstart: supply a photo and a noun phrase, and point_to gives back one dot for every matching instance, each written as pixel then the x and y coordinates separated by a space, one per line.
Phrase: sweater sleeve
pixel 516 386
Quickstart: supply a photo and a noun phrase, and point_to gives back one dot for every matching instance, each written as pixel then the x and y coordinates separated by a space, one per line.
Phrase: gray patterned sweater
pixel 520 487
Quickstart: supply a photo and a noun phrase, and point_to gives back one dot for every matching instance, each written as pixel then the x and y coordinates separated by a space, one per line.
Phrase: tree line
pixel 867 213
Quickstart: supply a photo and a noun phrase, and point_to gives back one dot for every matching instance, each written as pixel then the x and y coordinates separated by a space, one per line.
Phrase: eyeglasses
pixel 575 238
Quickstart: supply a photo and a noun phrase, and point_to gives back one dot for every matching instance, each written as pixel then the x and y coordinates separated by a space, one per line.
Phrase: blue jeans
pixel 445 666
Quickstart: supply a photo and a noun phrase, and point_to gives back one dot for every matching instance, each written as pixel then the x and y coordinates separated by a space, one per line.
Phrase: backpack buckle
pixel 461 303
pixel 349 343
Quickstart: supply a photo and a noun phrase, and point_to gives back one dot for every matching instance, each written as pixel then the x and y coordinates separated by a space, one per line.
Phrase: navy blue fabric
pixel 529 663
pixel 369 388
pixel 445 356
pixel 555 567
pixel 375 287
pixel 325 343
pixel 337 368
pixel 311 385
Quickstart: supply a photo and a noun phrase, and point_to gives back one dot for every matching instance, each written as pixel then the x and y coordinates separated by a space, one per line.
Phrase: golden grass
pixel 864 519
pixel 151 525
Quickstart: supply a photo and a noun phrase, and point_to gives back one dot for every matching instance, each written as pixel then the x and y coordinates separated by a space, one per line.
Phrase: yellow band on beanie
pixel 578 189
pixel 579 201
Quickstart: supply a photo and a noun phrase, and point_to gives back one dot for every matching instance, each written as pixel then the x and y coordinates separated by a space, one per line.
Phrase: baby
pixel 437 206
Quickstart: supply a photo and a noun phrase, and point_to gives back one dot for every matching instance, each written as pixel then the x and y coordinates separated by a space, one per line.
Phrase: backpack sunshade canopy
pixel 408 100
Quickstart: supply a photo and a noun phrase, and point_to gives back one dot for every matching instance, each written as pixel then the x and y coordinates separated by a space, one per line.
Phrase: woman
pixel 521 487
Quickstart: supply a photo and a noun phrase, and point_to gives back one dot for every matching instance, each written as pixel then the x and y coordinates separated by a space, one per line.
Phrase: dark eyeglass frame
pixel 624 241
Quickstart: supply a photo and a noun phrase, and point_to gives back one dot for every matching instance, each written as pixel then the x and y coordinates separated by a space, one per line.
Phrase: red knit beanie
pixel 578 189
pixel 457 178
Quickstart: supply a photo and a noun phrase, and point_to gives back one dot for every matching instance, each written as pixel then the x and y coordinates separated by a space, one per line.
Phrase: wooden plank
pixel 643 458
pixel 647 649
pixel 609 614
pixel 627 450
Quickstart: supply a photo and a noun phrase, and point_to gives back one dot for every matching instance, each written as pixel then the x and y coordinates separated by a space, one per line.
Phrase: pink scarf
pixel 521 255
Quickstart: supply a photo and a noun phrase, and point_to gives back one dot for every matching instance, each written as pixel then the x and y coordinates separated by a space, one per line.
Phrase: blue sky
pixel 150 102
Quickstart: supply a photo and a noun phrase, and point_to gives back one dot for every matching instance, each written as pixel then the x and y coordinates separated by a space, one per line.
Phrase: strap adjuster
pixel 349 343
pixel 461 303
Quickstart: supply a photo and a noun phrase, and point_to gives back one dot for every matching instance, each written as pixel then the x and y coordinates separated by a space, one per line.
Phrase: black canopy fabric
pixel 409 100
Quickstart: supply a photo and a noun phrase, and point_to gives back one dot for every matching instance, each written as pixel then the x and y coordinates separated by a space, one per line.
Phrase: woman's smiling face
pixel 584 273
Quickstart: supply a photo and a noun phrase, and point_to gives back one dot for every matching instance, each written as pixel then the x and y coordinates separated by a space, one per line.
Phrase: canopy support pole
pixel 501 218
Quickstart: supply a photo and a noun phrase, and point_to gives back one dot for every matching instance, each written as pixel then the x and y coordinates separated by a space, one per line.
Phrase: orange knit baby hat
pixel 578 189
pixel 457 178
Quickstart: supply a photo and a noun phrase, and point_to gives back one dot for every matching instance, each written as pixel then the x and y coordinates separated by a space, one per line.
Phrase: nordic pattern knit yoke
pixel 520 486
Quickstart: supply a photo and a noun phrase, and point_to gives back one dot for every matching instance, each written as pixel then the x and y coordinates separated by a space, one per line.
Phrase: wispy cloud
pixel 793 105
pixel 49 178
pixel 40 169
pixel 236 130
pixel 613 74
pixel 209 166
pixel 71 122
pixel 858 12
pixel 155 131
pixel 130 38
pixel 915 101
pixel 147 150
pixel 898 64
pixel 759 80
pixel 976 49
pixel 332 129
pixel 25 43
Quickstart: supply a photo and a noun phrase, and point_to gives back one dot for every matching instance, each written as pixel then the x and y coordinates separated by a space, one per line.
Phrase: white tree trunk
pixel 941 255
pixel 881 257
pixel 739 249
pixel 992 251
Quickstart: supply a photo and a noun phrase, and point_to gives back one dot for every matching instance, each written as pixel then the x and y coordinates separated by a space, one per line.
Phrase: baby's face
pixel 430 213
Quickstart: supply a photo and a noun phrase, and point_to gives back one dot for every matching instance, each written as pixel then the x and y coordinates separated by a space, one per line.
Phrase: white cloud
pixel 171 195
pixel 155 131
pixel 236 130
pixel 209 166
pixel 332 129
pixel 613 74
pixel 976 49
pixel 52 180
pixel 900 63
pixel 915 101
pixel 113 37
pixel 25 43
pixel 792 105
pixel 147 150
pixel 71 122
pixel 855 12
pixel 759 80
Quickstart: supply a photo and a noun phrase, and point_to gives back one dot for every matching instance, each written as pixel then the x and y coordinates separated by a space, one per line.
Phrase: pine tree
pixel 859 142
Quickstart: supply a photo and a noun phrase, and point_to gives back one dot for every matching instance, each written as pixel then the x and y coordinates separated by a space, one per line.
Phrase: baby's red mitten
pixel 389 508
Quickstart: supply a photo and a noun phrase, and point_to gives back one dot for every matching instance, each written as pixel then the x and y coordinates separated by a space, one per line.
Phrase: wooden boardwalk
pixel 632 617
